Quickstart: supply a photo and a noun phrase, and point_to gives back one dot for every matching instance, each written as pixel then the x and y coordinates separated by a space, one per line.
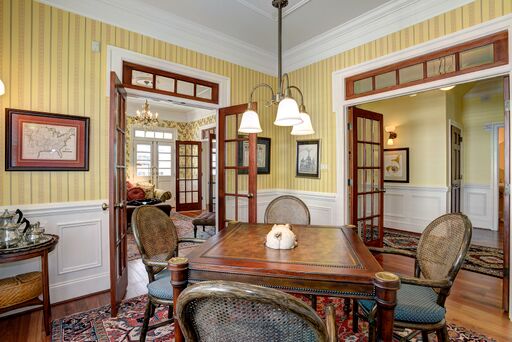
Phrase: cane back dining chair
pixel 440 254
pixel 213 311
pixel 157 240
pixel 287 209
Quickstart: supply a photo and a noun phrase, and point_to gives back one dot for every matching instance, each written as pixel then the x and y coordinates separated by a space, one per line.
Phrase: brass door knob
pixel 104 206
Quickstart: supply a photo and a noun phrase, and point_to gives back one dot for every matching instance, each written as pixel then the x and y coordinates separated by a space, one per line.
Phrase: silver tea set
pixel 16 229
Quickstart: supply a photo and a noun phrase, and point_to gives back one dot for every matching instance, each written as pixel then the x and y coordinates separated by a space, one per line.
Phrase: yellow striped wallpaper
pixel 315 80
pixel 47 64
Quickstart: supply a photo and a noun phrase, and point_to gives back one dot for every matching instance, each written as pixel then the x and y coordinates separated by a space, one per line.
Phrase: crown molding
pixel 391 17
pixel 128 14
pixel 381 21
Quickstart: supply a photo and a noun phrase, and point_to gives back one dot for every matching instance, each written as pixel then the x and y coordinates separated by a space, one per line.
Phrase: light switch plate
pixel 96 46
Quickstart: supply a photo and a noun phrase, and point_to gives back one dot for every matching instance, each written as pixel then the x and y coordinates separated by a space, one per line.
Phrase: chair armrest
pixel 194 240
pixel 393 251
pixel 440 283
pixel 154 263
pixel 330 322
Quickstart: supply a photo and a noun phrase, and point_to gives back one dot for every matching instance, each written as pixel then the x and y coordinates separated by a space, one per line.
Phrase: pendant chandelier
pixel 145 117
pixel 289 113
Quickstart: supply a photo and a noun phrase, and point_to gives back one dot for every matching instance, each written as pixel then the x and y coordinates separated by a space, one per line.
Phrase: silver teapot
pixel 9 217
pixel 10 234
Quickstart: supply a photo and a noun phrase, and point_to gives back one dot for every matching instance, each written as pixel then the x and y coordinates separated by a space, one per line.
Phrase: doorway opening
pixel 444 151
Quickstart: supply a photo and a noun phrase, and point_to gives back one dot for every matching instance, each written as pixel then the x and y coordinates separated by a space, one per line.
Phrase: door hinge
pixel 349 182
pixel 507 189
pixel 349 126
pixel 507 105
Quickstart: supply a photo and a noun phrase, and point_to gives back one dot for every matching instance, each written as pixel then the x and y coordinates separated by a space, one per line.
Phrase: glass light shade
pixel 305 128
pixel 288 113
pixel 390 141
pixel 2 88
pixel 250 122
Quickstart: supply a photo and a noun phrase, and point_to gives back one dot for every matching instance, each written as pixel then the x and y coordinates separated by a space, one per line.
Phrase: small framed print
pixel 396 165
pixel 262 156
pixel 37 141
pixel 308 158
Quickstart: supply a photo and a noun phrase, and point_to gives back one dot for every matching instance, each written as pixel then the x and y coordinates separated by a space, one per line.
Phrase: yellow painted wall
pixel 477 113
pixel 315 80
pixel 420 124
pixel 47 64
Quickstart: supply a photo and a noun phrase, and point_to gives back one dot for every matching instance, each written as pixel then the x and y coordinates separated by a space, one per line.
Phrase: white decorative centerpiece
pixel 281 237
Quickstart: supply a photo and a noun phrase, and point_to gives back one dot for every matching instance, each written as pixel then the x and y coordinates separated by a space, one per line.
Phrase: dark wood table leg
pixel 47 310
pixel 179 279
pixel 386 285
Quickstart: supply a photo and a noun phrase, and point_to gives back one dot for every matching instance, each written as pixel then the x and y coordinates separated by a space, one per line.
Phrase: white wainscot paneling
pixel 412 208
pixel 478 205
pixel 79 265
pixel 322 206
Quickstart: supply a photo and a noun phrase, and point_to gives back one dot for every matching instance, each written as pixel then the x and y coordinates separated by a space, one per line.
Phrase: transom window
pixel 483 53
pixel 167 83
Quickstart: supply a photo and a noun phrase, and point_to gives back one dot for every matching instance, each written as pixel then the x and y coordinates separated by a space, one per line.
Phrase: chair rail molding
pixel 79 265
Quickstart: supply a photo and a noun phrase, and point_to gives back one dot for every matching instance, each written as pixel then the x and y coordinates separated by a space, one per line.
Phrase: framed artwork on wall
pixel 396 165
pixel 308 158
pixel 37 141
pixel 262 156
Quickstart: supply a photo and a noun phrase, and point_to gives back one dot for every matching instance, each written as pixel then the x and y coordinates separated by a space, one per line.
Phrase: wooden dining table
pixel 327 261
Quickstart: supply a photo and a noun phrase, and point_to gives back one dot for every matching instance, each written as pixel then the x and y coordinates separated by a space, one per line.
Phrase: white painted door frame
pixel 340 104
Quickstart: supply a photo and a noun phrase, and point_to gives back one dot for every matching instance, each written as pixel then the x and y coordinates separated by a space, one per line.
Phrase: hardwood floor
pixel 474 304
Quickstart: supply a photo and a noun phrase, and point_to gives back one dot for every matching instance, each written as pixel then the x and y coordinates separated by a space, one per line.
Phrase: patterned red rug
pixel 97 325
pixel 480 259
pixel 184 227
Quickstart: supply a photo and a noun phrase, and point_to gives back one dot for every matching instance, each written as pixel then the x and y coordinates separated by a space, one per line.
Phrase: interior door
pixel 188 179
pixel 212 197
pixel 366 174
pixel 506 199
pixel 237 190
pixel 456 170
pixel 117 193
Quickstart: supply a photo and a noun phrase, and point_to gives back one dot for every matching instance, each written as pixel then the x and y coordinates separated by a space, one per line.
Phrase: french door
pixel 189 175
pixel 212 197
pixel 236 190
pixel 153 163
pixel 117 193
pixel 366 174
pixel 456 168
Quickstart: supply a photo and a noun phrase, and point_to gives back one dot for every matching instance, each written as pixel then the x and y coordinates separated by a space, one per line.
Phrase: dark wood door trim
pixel 455 168
pixel 506 199
pixel 117 193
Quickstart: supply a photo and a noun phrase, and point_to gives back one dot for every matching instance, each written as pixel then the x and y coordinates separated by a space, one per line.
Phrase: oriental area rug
pixel 97 325
pixel 480 259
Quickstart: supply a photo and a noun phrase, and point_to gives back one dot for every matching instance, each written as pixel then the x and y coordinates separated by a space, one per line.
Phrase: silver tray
pixel 24 244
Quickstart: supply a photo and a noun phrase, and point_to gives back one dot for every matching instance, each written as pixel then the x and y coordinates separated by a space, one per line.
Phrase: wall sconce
pixel 2 88
pixel 392 134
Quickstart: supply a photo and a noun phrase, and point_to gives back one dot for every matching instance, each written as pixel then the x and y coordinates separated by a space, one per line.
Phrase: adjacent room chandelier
pixel 289 113
pixel 145 117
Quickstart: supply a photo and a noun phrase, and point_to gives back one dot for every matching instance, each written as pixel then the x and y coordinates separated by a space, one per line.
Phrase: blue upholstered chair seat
pixel 161 288
pixel 415 304
pixel 163 274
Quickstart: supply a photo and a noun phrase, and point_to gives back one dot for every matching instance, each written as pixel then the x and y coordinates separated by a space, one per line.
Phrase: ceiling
pixel 244 32
pixel 255 21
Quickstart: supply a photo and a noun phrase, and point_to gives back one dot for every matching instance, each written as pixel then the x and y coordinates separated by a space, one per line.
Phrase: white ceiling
pixel 252 21
pixel 166 110
pixel 245 31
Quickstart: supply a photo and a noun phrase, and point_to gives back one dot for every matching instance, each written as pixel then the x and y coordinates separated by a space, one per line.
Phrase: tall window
pixel 153 151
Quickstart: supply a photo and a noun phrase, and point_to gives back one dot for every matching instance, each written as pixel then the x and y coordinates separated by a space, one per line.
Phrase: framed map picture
pixel 262 156
pixel 37 141
pixel 308 158
pixel 396 165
